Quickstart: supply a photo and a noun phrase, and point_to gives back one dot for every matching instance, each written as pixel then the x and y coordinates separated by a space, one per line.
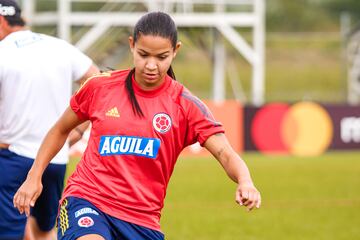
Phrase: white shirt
pixel 36 76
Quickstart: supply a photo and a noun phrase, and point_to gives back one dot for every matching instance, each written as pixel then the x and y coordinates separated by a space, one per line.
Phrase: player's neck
pixel 16 29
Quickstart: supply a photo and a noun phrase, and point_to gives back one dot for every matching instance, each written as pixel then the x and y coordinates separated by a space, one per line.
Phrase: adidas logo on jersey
pixel 126 145
pixel 113 112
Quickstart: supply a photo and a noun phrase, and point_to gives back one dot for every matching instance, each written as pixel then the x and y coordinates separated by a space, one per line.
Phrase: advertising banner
pixel 303 128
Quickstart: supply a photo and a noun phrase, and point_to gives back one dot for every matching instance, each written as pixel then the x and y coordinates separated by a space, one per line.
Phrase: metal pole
pixel 219 62
pixel 258 78
pixel 28 7
pixel 345 23
pixel 219 68
pixel 64 28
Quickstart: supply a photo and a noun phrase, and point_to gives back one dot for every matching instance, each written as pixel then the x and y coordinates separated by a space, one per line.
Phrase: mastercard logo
pixel 302 129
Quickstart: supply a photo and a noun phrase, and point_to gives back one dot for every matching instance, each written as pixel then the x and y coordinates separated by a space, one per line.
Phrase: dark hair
pixel 154 24
pixel 15 21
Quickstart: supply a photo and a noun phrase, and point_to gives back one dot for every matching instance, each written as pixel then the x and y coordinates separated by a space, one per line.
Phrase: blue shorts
pixel 13 172
pixel 78 217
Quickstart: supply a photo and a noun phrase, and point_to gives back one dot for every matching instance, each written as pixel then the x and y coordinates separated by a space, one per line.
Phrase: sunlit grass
pixel 314 198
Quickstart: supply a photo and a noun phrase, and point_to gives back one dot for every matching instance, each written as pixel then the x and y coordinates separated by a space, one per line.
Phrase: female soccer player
pixel 141 120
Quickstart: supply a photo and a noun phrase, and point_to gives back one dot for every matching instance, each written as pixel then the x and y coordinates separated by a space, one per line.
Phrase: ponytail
pixel 130 90
pixel 171 73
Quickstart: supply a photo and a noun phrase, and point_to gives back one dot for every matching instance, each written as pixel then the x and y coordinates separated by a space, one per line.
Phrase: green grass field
pixel 303 198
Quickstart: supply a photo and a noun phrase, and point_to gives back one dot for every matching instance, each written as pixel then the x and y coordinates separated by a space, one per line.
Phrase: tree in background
pixel 309 15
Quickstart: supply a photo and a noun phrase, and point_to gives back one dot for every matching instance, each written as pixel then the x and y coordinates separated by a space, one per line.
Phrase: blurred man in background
pixel 36 76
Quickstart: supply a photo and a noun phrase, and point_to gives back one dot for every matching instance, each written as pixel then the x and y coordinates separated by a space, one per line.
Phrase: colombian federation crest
pixel 85 222
pixel 162 122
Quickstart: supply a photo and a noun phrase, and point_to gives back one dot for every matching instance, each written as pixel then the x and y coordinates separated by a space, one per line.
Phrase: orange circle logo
pixel 303 129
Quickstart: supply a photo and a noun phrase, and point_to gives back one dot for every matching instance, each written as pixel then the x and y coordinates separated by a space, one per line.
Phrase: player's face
pixel 152 58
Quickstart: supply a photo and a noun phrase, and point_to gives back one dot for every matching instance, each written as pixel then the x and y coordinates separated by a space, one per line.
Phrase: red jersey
pixel 128 162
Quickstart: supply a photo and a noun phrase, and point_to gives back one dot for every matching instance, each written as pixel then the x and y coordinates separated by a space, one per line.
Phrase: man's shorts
pixel 78 217
pixel 13 172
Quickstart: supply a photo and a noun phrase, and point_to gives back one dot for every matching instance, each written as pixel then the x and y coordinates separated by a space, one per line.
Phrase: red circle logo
pixel 162 122
pixel 85 222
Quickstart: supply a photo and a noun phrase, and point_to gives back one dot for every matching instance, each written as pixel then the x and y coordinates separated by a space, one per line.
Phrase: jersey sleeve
pixel 80 102
pixel 200 122
pixel 80 63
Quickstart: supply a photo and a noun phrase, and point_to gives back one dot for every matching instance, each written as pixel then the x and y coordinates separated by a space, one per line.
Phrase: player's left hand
pixel 27 194
pixel 247 195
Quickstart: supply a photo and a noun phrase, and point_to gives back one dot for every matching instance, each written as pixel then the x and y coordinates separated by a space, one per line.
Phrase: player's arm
pixel 51 145
pixel 236 169
pixel 77 133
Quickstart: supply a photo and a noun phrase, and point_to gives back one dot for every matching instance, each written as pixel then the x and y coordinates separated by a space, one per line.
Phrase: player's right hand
pixel 26 195
pixel 247 195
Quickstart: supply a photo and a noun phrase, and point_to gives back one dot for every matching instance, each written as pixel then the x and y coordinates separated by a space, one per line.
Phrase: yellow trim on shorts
pixel 63 216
